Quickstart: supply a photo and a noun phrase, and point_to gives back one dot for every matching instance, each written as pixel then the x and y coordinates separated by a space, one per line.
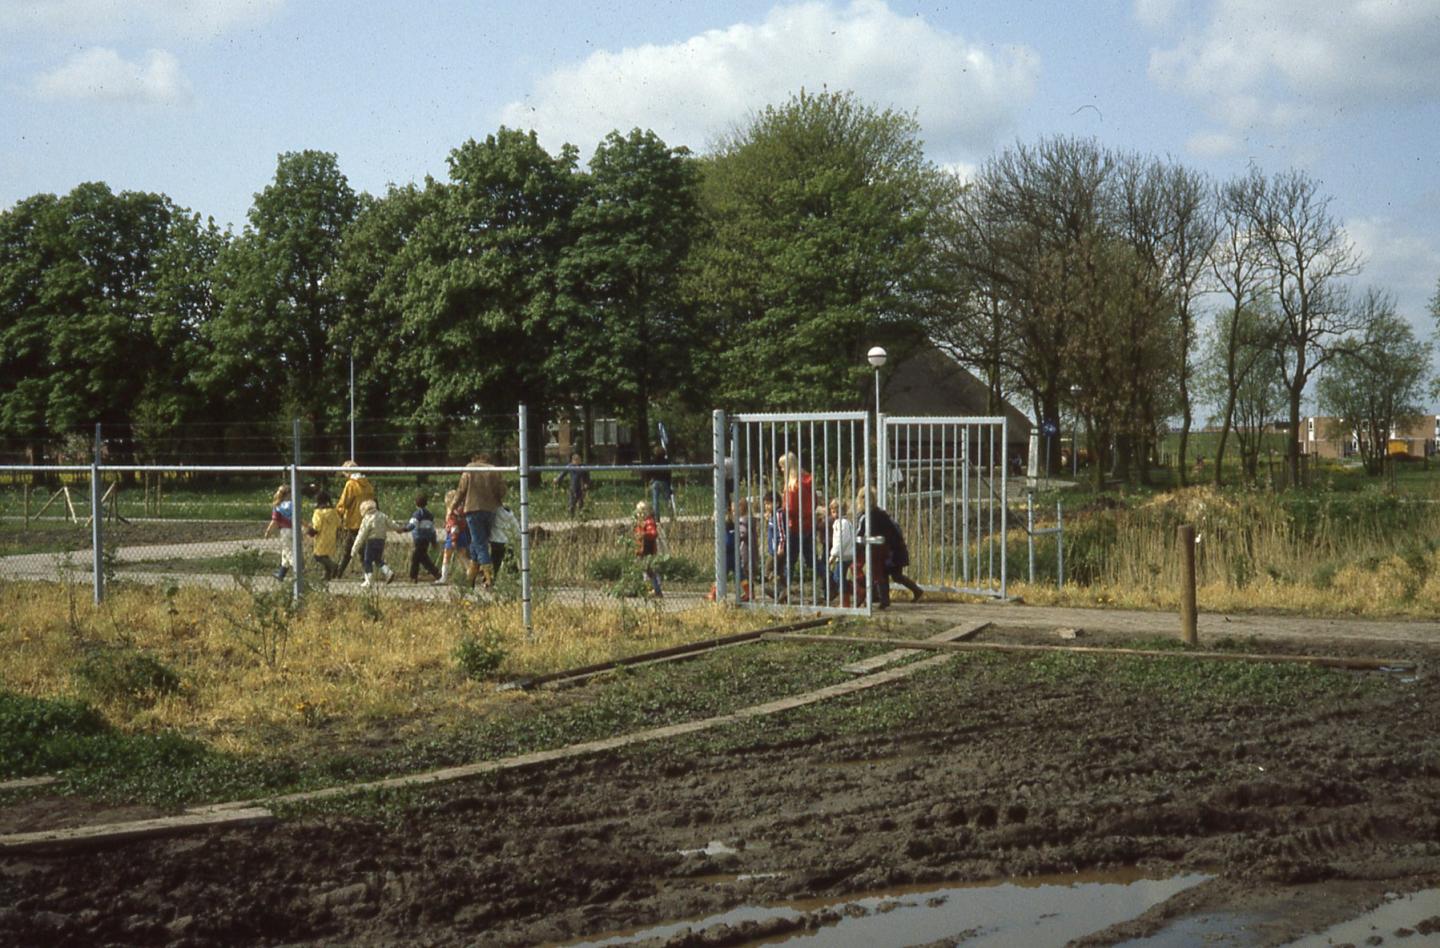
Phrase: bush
pixel 480 654
pixel 42 734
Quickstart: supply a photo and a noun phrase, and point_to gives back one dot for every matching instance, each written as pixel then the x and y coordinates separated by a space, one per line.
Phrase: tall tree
pixel 483 283
pixel 82 299
pixel 1034 238
pixel 371 277
pixel 1235 264
pixel 631 334
pixel 818 217
pixel 1378 380
pixel 278 299
pixel 1307 257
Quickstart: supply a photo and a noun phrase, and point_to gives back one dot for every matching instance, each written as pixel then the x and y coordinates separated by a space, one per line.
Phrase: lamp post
pixel 877 357
pixel 1075 432
pixel 352 404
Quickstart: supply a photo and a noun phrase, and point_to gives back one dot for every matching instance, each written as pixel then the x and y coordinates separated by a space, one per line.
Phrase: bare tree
pixel 1235 264
pixel 1306 256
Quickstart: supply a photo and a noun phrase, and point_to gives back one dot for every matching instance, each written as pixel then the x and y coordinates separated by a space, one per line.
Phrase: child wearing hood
pixel 369 542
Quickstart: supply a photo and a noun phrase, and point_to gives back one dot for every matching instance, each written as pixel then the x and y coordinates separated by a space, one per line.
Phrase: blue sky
pixel 195 98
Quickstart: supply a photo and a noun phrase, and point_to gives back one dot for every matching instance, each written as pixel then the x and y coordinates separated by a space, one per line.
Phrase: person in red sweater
pixel 647 536
pixel 799 506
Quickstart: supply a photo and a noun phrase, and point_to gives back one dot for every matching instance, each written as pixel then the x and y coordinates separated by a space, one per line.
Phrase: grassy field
pixel 213 680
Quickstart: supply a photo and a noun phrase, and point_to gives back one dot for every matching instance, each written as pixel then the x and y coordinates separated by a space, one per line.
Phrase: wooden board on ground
pixel 467 771
pixel 959 633
pixel 136 829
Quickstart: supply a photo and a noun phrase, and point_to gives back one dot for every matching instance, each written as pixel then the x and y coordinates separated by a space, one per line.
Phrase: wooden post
pixel 27 504
pixel 1185 537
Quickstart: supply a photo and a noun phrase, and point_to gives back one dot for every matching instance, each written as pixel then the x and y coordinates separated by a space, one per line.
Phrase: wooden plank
pixel 135 829
pixel 672 652
pixel 450 774
pixel 1329 661
pixel 959 633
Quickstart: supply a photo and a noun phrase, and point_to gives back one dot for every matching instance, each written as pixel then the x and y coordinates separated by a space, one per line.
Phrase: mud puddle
pixel 1020 913
pixel 1405 919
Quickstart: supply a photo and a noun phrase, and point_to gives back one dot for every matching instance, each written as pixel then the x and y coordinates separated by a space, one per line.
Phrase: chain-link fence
pixel 569 535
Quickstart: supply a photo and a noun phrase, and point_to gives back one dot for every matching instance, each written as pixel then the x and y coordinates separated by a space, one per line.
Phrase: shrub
pixel 480 654
pixel 44 734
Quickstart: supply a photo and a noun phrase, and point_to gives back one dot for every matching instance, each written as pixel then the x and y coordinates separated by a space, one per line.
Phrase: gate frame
pixel 883 425
pixel 867 469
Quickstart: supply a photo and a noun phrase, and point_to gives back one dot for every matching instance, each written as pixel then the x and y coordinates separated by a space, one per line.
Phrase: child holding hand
pixel 369 545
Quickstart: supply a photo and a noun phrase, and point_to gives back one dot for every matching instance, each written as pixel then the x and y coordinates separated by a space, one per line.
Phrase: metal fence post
pixel 97 536
pixel 1030 529
pixel 717 439
pixel 1059 545
pixel 1004 499
pixel 526 607
pixel 297 547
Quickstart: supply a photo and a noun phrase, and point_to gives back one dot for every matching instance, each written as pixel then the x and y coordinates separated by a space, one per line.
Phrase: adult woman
pixel 798 504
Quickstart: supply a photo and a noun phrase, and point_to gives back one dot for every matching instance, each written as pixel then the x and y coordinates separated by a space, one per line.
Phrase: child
pixel 774 542
pixel 647 535
pixel 749 552
pixel 842 548
pixel 422 534
pixel 505 532
pixel 887 560
pixel 457 536
pixel 282 516
pixel 325 528
pixel 579 486
pixel 369 542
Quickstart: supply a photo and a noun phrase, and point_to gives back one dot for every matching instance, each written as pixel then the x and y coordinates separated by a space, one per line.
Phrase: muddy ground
pixel 1304 816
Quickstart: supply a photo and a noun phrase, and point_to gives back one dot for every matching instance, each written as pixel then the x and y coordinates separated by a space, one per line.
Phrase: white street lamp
pixel 877 356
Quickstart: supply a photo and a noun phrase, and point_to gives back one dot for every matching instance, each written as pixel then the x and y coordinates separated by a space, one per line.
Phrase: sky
pixel 196 98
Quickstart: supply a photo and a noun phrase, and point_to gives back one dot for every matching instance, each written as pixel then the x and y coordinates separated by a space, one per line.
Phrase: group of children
pixel 827 542
pixel 356 528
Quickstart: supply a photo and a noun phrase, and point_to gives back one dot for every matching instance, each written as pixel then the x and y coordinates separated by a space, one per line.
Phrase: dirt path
pixel 1304 815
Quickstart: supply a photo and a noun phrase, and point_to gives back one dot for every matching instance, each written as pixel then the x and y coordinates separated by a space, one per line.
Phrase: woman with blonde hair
pixel 798 504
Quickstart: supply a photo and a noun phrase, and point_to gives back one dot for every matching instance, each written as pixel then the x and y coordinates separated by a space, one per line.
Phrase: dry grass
pixel 348 669
pixel 1372 557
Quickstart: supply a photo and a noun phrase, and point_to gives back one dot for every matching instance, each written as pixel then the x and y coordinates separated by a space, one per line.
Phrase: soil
pixel 1302 816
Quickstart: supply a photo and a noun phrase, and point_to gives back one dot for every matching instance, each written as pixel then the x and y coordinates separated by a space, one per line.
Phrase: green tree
pixel 818 216
pixel 1378 379
pixel 371 277
pixel 278 299
pixel 482 288
pixel 630 336
pixel 86 307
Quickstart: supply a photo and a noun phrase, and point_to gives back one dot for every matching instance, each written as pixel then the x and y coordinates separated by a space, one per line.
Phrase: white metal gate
pixel 943 480
pixel 796 478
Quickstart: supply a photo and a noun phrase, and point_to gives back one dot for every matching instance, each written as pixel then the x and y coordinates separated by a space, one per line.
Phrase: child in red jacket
pixel 647 534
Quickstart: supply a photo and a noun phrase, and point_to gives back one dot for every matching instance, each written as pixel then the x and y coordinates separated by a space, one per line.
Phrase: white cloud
pixel 103 75
pixel 1398 260
pixel 1277 62
pixel 1157 14
pixel 114 19
pixel 1213 144
pixel 965 94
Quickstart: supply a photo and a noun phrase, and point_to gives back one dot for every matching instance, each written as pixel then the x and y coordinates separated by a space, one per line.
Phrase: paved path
pixel 1212 625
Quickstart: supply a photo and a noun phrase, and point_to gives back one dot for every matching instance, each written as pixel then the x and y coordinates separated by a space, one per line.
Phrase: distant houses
pixel 1325 436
